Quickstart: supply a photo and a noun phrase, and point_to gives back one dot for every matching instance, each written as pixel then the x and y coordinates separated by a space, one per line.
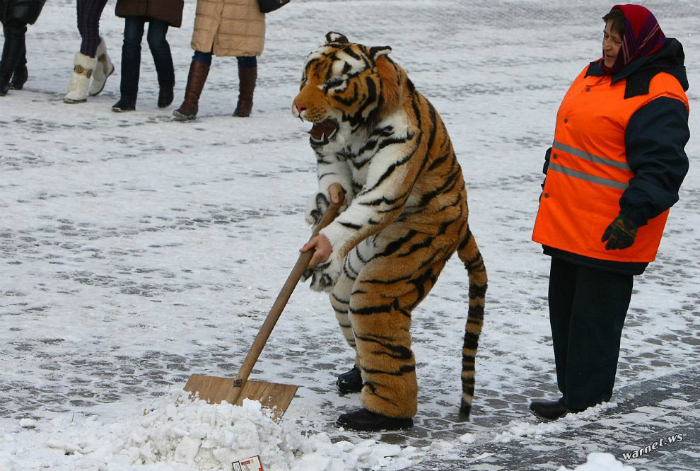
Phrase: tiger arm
pixel 330 170
pixel 392 173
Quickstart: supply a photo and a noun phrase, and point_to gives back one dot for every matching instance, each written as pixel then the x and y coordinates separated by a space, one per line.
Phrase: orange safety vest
pixel 588 170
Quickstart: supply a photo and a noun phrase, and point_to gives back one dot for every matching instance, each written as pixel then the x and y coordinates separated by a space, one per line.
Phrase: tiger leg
pixel 470 255
pixel 387 290
pixel 340 296
pixel 340 301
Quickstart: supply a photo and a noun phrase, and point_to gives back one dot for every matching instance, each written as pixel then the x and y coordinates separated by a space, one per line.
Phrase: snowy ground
pixel 136 250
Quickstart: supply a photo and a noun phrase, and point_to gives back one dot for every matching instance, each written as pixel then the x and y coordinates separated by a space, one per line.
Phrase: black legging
pixel 14 50
pixel 89 12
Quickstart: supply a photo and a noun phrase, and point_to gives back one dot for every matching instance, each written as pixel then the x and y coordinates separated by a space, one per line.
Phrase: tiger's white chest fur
pixel 358 149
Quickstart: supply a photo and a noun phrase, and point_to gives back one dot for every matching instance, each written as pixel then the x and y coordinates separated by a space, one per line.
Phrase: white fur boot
pixel 104 69
pixel 80 81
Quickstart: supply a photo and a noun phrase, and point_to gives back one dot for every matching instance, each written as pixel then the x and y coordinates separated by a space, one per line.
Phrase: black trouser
pixel 587 309
pixel 14 52
pixel 131 54
pixel 89 13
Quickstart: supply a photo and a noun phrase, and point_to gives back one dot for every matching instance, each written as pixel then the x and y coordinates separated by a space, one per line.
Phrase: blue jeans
pixel 243 61
pixel 131 54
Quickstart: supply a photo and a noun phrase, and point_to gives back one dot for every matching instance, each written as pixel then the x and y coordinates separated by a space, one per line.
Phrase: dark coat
pixel 20 11
pixel 169 11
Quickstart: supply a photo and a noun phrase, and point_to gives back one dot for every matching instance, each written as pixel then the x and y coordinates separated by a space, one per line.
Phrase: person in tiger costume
pixel 379 142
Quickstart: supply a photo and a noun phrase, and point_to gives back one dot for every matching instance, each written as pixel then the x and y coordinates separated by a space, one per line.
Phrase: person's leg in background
pixel 163 60
pixel 197 77
pixel 89 13
pixel 21 74
pixel 104 67
pixel 12 52
pixel 131 63
pixel 92 63
pixel 247 76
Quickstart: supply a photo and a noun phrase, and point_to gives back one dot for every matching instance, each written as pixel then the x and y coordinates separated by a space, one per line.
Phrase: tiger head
pixel 347 86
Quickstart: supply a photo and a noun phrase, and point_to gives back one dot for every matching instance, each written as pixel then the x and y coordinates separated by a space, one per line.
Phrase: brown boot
pixel 246 85
pixel 195 83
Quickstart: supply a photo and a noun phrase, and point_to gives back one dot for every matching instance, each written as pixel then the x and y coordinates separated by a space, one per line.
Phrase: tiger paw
pixel 316 208
pixel 324 275
pixel 319 203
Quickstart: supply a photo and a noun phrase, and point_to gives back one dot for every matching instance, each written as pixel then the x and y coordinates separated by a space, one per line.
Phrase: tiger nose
pixel 300 108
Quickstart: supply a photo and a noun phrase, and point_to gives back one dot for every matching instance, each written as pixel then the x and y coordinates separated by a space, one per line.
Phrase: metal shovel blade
pixel 214 389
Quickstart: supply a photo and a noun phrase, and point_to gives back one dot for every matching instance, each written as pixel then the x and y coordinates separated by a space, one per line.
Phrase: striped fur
pixel 384 143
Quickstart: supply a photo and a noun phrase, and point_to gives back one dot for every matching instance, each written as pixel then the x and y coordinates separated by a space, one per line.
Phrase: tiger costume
pixel 406 213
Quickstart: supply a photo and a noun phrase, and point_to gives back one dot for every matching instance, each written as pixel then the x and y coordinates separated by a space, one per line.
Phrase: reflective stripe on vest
pixel 620 185
pixel 588 177
pixel 590 157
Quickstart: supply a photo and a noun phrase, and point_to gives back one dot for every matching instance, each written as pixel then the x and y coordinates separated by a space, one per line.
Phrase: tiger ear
pixel 333 37
pixel 376 52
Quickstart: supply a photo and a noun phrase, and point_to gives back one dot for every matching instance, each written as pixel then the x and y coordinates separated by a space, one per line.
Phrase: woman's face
pixel 611 44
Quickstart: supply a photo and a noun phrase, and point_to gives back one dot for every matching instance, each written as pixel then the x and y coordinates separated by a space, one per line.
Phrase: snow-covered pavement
pixel 136 250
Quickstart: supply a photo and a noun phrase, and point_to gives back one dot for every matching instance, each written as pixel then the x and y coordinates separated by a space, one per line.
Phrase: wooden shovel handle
pixel 278 307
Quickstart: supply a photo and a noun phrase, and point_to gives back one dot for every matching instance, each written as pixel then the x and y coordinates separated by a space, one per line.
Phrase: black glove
pixel 620 234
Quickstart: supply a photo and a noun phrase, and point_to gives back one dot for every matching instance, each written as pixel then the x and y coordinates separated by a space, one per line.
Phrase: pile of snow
pixel 600 462
pixel 180 434
pixel 517 429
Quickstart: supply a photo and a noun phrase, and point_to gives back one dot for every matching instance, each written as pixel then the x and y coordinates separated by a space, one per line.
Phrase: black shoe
pixel 165 97
pixel 19 78
pixel 4 88
pixel 364 420
pixel 350 382
pixel 124 104
pixel 548 410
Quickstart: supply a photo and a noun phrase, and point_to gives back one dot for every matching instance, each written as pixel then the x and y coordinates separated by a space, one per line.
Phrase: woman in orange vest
pixel 612 173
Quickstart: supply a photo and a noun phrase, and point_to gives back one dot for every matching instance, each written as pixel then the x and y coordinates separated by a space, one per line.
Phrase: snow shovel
pixel 274 396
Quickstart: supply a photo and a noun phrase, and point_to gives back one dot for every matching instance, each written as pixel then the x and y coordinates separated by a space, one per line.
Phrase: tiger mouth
pixel 321 133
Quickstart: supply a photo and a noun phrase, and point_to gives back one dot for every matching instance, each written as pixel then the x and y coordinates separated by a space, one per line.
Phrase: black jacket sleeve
pixel 655 139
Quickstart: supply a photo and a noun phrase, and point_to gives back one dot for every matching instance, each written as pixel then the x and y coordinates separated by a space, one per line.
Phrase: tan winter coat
pixel 229 28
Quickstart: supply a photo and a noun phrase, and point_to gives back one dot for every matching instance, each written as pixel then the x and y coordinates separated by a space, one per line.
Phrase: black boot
pixel 365 420
pixel 350 382
pixel 19 78
pixel 165 97
pixel 549 410
pixel 124 104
